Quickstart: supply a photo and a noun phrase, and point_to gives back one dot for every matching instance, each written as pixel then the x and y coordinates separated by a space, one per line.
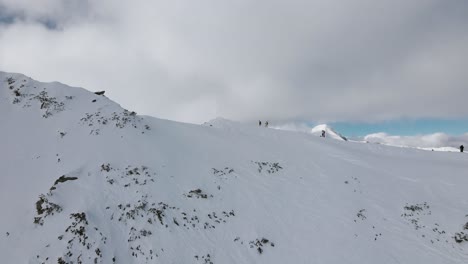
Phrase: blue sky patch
pixel 404 127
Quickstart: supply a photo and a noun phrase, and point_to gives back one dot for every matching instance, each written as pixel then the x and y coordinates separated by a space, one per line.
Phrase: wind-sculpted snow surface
pixel 85 181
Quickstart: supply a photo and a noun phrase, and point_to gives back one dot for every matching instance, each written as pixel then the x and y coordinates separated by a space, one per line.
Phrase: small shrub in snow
pixel 270 167
pixel 81 241
pixel 416 207
pixel 361 215
pixel 45 208
pixel 118 119
pixel 50 104
pixel 205 259
pixel 105 167
pixel 197 193
pixel 461 237
pixel 222 172
pixel 10 80
pixel 260 243
pixel 412 213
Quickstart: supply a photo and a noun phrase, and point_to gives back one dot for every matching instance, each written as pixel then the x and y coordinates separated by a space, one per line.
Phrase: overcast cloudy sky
pixel 289 61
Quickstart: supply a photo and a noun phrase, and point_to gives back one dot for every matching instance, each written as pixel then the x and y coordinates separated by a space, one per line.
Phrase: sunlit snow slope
pixel 84 181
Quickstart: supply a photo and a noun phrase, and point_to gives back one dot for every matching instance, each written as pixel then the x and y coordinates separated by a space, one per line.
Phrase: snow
pixel 155 191
pixel 329 132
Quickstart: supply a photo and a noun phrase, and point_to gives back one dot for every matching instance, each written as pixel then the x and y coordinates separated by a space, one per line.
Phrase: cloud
pixel 436 140
pixel 293 126
pixel 320 60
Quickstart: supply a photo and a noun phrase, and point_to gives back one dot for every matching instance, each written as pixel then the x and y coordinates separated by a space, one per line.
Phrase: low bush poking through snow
pixel 260 243
pixel 45 208
pixel 270 167
pixel 197 193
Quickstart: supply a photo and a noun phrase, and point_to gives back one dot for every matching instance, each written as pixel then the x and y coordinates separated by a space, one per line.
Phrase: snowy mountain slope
pixel 85 181
pixel 329 132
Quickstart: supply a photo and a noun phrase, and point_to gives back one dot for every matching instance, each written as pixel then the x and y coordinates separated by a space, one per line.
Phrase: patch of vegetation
pixel 269 167
pixel 118 119
pixel 10 80
pixel 18 94
pixel 205 259
pixel 462 236
pixel 49 104
pixel 222 172
pixel 361 215
pixel 413 212
pixel 222 175
pixel 106 167
pixel 45 208
pixel 260 243
pixel 129 176
pixel 82 238
pixel 197 193
pixel 416 208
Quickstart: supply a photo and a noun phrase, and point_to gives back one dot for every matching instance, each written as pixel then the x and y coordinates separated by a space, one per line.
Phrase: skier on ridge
pixel 462 148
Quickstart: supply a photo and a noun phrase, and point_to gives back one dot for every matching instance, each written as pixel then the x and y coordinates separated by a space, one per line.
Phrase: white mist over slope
pixel 84 180
pixel 440 141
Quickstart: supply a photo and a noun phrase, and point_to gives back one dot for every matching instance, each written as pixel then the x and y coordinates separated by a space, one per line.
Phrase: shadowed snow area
pixel 84 180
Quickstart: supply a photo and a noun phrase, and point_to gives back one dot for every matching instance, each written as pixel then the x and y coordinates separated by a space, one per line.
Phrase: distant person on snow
pixel 462 148
pixel 323 133
pixel 266 124
pixel 259 123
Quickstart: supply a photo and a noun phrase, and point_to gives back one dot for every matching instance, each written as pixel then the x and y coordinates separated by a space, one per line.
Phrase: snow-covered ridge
pixel 329 132
pixel 85 181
